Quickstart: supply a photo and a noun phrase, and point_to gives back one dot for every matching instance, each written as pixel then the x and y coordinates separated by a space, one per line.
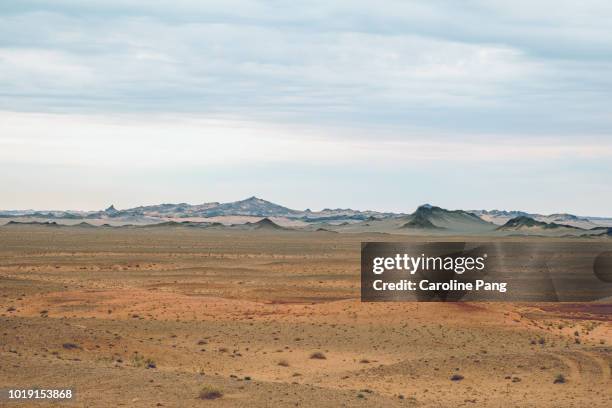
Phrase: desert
pixel 176 316
pixel 257 203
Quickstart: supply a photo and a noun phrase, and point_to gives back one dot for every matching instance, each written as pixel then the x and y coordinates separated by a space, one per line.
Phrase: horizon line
pixel 293 209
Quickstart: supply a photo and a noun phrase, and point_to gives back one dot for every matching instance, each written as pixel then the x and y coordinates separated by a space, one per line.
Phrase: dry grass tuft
pixel 208 392
pixel 317 355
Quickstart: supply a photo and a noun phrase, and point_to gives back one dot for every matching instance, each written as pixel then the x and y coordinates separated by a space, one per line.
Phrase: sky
pixel 370 105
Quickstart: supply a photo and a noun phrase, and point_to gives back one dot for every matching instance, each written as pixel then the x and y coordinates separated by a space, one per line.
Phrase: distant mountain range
pixel 500 217
pixel 255 213
pixel 252 206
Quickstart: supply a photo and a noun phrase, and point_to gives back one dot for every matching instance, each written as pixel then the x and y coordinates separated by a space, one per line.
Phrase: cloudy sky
pixel 372 105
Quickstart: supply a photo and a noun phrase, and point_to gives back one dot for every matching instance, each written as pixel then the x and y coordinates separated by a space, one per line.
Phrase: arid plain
pixel 142 317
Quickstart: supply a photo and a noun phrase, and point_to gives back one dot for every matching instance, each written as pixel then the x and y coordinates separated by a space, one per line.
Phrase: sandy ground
pixel 243 312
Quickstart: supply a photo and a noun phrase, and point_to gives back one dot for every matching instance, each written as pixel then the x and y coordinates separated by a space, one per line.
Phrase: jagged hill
pixel 436 218
pixel 84 225
pixel 252 206
pixel 524 222
pixel 601 231
pixel 500 217
pixel 421 221
pixel 321 229
pixel 265 224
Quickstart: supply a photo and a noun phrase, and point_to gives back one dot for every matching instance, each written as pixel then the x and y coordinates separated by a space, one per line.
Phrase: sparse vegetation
pixel 401 352
pixel 139 361
pixel 70 346
pixel 317 355
pixel 208 392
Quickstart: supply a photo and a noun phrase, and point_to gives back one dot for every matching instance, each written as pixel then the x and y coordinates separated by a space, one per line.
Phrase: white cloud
pixel 148 141
pixel 480 67
pixel 423 88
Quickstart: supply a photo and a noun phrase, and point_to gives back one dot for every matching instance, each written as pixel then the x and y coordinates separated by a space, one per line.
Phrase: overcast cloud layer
pixel 215 98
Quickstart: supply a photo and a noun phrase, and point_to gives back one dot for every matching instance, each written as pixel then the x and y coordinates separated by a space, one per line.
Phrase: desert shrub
pixel 317 355
pixel 208 392
pixel 560 379
pixel 283 363
pixel 456 377
pixel 139 361
pixel 364 361
pixel 70 346
pixel 150 363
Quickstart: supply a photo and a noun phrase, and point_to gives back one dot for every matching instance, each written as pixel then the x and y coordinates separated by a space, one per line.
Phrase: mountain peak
pixel 523 221
pixel 528 222
pixel 111 209
pixel 253 198
pixel 428 209
pixel 428 216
